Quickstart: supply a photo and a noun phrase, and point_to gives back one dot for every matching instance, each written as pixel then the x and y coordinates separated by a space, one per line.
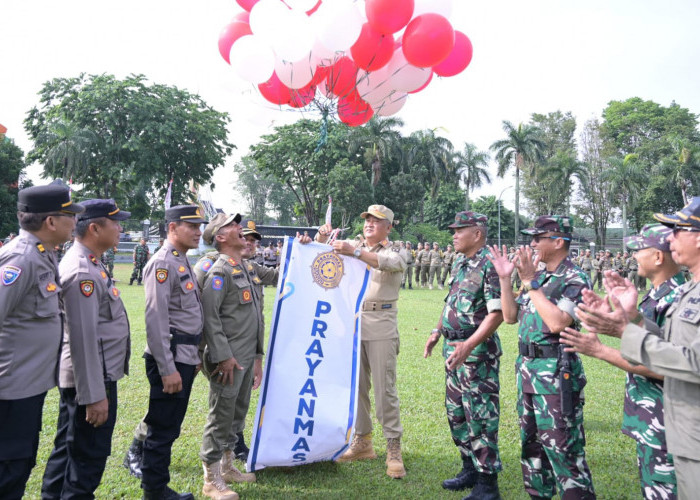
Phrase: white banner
pixel 308 397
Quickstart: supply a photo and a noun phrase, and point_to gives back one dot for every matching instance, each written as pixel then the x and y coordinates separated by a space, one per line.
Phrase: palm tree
pixel 471 165
pixel 379 139
pixel 627 176
pixel 686 165
pixel 68 148
pixel 560 173
pixel 521 147
pixel 434 153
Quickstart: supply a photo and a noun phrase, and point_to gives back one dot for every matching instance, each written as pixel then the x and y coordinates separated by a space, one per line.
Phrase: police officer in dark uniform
pixel 173 332
pixel 30 326
pixel 94 356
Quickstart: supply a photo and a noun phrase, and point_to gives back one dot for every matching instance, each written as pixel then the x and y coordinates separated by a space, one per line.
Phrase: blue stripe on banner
pixel 271 347
pixel 355 363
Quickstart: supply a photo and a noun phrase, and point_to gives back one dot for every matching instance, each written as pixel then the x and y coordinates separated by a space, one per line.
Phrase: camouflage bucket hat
pixel 651 236
pixel 468 219
pixel 688 216
pixel 550 224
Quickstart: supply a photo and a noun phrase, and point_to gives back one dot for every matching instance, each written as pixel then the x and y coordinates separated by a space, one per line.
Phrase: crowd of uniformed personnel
pixel 209 317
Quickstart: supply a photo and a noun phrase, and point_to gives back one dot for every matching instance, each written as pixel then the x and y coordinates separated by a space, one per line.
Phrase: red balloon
pixel 353 111
pixel 389 16
pixel 302 97
pixel 275 91
pixel 430 78
pixel 230 34
pixel 246 4
pixel 459 58
pixel 314 8
pixel 428 40
pixel 319 75
pixel 341 77
pixel 372 50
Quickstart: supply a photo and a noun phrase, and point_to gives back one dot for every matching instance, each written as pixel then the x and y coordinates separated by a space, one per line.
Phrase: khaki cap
pixel 380 212
pixel 220 220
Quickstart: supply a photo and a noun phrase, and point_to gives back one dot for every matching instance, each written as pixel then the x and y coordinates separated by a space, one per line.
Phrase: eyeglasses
pixel 687 229
pixel 539 237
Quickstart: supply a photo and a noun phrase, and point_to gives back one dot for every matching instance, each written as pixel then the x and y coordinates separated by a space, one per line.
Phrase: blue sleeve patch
pixel 10 274
pixel 217 283
pixel 206 265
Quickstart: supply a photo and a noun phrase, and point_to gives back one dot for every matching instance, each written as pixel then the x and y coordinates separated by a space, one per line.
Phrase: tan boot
pixel 231 474
pixel 360 449
pixel 214 485
pixel 394 462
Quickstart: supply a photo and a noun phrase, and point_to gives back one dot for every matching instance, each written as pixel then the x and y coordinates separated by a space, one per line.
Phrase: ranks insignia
pixel 236 271
pixel 103 274
pixel 189 285
pixel 385 243
pixel 10 274
pixel 51 287
pixel 181 269
pixel 176 253
pixel 40 247
pixel 87 287
pixel 232 262
pixel 250 268
pixel 161 274
pixel 246 296
pixel 93 259
pixel 257 280
pixel 206 265
pixel 217 283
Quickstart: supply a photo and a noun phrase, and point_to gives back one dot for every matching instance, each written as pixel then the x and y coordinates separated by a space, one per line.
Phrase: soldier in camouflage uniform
pixel 425 265
pixel 408 273
pixel 141 255
pixel 447 260
pixel 643 417
pixel 419 256
pixel 435 265
pixel 108 261
pixel 472 353
pixel 550 380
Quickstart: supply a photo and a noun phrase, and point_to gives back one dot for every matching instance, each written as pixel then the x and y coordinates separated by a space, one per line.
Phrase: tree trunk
pixel 517 204
pixel 466 198
pixel 624 221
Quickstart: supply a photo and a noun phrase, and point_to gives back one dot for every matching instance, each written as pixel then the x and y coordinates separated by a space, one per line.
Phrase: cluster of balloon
pixel 366 56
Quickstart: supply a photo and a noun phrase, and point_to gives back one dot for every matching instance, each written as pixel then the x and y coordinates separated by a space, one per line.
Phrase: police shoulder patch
pixel 206 264
pixel 10 274
pixel 217 283
pixel 161 275
pixel 87 287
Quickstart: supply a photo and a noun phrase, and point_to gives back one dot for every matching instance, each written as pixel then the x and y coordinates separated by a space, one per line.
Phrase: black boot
pixel 486 488
pixel 166 494
pixel 134 458
pixel 131 281
pixel 466 478
pixel 241 450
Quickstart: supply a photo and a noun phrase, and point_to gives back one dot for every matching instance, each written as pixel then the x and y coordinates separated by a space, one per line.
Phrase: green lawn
pixel 429 454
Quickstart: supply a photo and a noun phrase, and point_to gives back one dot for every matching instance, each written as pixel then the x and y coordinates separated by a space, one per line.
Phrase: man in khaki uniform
pixel 419 257
pixel 587 263
pixel 672 352
pixel 447 260
pixel 380 336
pixel 425 259
pixel 30 326
pixel 94 356
pixel 232 323
pixel 408 273
pixel 435 266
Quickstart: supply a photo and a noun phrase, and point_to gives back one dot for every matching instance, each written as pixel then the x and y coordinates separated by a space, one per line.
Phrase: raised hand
pixel 622 288
pixel 499 259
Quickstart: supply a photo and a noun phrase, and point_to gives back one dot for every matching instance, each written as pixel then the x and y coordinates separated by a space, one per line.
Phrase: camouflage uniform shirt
pixel 563 287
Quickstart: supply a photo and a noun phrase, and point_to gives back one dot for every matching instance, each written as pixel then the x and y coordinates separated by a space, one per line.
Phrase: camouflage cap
pixel 220 220
pixel 380 212
pixel 468 219
pixel 550 224
pixel 688 216
pixel 651 236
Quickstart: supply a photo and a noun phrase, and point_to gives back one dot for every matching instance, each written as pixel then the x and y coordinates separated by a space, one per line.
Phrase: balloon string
pixel 324 131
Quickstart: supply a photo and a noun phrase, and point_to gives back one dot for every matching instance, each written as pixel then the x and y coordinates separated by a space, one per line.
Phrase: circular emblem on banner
pixel 327 270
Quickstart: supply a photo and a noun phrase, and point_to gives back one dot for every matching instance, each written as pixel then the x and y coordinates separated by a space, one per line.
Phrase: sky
pixel 533 56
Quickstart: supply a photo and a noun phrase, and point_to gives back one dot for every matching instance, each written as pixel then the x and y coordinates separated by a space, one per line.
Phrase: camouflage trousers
pixel 656 473
pixel 137 273
pixel 473 410
pixel 552 448
pixel 445 274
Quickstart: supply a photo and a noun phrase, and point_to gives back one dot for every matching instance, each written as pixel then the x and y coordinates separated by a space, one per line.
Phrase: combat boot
pixel 241 450
pixel 410 287
pixel 131 281
pixel 486 488
pixel 394 461
pixel 214 485
pixel 134 458
pixel 466 478
pixel 360 449
pixel 230 473
pixel 166 494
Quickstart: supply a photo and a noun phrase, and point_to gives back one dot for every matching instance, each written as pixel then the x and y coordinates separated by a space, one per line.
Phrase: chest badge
pixel 189 285
pixel 51 287
pixel 181 269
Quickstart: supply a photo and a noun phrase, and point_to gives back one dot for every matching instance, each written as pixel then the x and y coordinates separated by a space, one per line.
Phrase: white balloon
pixel 295 39
pixel 324 56
pixel 301 5
pixel 252 59
pixel 297 74
pixel 391 105
pixel 268 18
pixel 337 24
pixel 442 7
pixel 375 86
pixel 404 76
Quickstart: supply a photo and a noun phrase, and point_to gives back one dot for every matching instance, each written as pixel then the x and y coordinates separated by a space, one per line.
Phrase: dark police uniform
pixel 94 356
pixel 173 331
pixel 30 337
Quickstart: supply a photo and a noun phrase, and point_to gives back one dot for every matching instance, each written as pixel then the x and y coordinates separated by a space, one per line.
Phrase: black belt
pixel 178 337
pixel 538 350
pixel 458 334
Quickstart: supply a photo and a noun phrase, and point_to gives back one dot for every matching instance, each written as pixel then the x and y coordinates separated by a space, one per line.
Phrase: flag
pixel 308 398
pixel 329 211
pixel 169 195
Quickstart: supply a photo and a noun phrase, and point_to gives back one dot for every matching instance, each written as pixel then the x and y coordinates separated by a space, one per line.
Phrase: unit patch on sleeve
pixel 87 287
pixel 161 275
pixel 217 283
pixel 10 274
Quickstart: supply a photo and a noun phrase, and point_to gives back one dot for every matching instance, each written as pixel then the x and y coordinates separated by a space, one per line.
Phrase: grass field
pixel 429 454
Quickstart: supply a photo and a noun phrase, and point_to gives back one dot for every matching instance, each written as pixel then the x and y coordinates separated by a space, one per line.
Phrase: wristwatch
pixel 357 252
pixel 531 285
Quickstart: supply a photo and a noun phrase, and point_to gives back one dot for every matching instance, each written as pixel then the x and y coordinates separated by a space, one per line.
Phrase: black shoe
pixel 466 478
pixel 410 287
pixel 486 488
pixel 131 281
pixel 134 458
pixel 139 283
pixel 241 450
pixel 166 494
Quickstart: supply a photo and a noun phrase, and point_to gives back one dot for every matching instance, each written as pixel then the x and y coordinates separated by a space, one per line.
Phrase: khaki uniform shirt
pixel 424 258
pixel 96 342
pixel 410 256
pixel 435 258
pixel 172 301
pixel 447 259
pixel 586 263
pixel 30 319
pixel 674 355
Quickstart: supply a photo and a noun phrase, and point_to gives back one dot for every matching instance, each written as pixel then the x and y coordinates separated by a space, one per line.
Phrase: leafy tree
pixel 472 165
pixel 148 134
pixel 425 232
pixel 440 210
pixel 68 148
pixel 522 147
pixel 255 186
pixel 682 168
pixel 627 177
pixel 488 205
pixel 379 139
pixel 434 154
pixel 11 181
pixel 559 174
pixel 351 192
